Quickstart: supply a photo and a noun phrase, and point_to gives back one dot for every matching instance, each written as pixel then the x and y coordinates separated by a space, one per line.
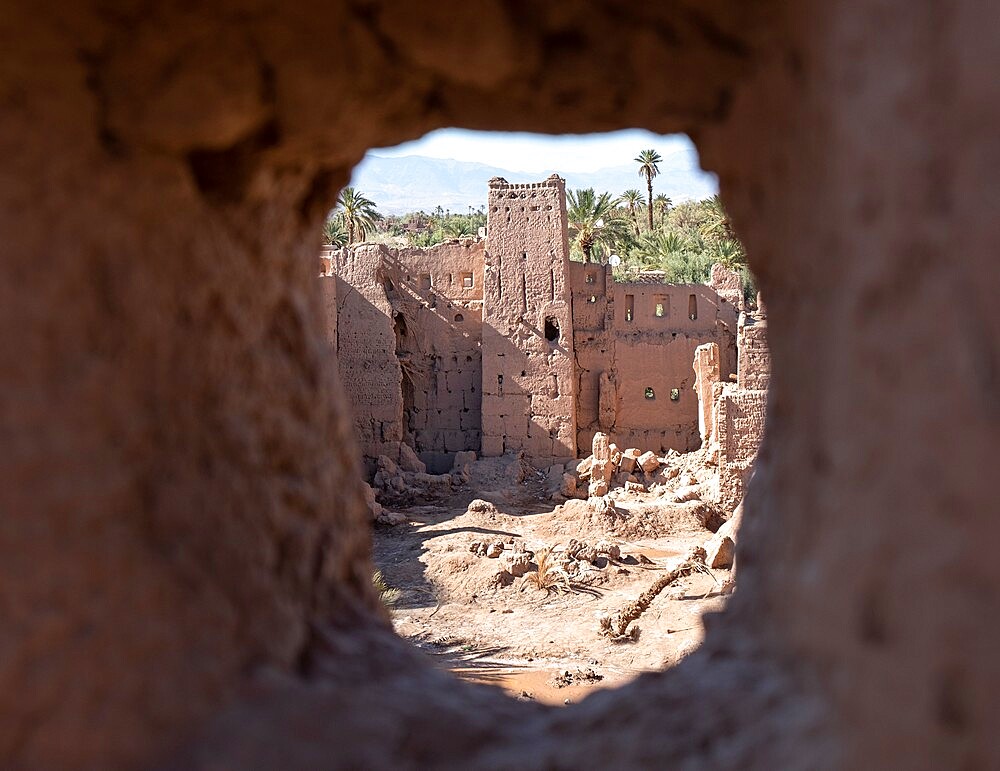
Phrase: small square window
pixel 660 312
pixel 650 393
pixel 592 299
pixel 590 278
pixel 467 281
pixel 675 394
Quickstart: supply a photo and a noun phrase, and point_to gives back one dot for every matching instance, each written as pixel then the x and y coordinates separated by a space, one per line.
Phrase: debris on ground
pixel 580 676
pixel 616 627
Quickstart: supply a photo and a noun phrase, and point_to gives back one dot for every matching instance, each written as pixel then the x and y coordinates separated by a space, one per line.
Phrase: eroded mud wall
pixel 529 393
pixel 367 358
pixel 409 347
pixel 438 312
pixel 634 345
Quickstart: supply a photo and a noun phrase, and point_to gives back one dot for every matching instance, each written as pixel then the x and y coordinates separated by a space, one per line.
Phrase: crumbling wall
pixel 706 375
pixel 328 293
pixel 439 295
pixel 366 348
pixel 736 411
pixel 754 371
pixel 529 392
pixel 634 344
pixel 409 352
pixel 593 348
pixel 728 285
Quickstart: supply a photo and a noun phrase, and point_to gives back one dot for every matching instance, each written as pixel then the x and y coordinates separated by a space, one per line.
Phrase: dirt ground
pixel 533 643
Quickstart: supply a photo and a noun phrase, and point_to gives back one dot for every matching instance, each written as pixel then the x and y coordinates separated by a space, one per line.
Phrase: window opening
pixel 629 307
pixel 459 317
pixel 467 281
pixel 675 394
pixel 659 312
pixel 425 281
pixel 592 298
pixel 551 329
pixel 650 393
pixel 692 308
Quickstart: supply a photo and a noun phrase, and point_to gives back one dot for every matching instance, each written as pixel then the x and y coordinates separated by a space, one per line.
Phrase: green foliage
pixel 632 200
pixel 649 166
pixel 334 233
pixel 688 239
pixel 422 229
pixel 595 226
pixel 359 213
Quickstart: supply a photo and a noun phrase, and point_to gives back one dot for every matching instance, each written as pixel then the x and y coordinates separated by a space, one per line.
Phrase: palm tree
pixel 730 253
pixel 717 224
pixel 649 161
pixel 662 204
pixel 359 214
pixel 656 246
pixel 631 199
pixel 593 222
pixel 333 231
pixel 457 226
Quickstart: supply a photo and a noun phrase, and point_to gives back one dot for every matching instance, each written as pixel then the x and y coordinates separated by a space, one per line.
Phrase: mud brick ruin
pixel 505 345
pixel 186 554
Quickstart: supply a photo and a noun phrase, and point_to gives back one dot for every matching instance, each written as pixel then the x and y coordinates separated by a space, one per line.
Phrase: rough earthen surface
pixel 185 566
pixel 634 344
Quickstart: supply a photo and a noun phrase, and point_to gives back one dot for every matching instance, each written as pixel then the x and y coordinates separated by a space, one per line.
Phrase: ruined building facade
pixel 505 345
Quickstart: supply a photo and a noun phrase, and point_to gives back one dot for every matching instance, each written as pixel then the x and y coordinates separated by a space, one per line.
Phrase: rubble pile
pixel 680 478
pixel 578 561
pixel 408 480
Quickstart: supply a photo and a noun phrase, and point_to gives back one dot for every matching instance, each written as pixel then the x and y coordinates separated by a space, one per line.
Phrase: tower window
pixel 551 329
pixel 467 281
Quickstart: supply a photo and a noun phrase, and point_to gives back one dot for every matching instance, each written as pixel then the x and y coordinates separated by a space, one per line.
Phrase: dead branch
pixel 616 627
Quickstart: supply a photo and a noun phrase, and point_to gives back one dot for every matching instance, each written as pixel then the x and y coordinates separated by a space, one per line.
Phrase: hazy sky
pixel 538 152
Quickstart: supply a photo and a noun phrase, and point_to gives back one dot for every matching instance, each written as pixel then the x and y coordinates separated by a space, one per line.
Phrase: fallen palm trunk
pixel 616 627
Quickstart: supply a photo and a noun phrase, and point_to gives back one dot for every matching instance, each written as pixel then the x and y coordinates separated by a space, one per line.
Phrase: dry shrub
pixel 386 594
pixel 548 575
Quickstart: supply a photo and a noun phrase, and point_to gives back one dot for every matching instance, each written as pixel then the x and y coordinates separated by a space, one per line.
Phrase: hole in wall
pixel 450 396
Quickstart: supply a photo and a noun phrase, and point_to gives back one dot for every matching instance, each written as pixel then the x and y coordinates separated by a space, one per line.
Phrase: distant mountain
pixel 412 183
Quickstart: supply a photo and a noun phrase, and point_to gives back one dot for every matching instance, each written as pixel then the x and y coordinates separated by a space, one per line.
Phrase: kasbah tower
pixel 529 397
